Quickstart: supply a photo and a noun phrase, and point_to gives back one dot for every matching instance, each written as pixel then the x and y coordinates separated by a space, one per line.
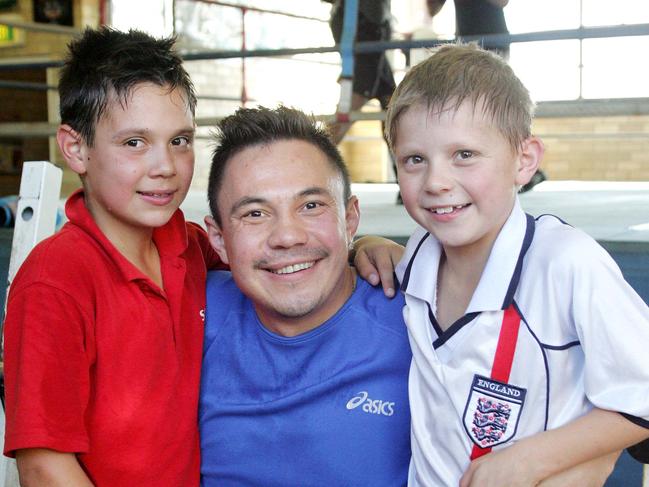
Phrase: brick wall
pixel 45 44
pixel 18 105
pixel 610 148
pixel 366 154
pixel 614 148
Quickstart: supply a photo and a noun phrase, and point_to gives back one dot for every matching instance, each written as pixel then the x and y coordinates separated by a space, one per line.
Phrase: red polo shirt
pixel 102 362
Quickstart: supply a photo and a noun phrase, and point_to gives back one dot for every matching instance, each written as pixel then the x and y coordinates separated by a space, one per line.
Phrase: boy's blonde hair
pixel 460 72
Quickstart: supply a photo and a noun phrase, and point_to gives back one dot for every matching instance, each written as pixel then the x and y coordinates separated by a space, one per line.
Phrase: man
pixel 373 78
pixel 305 366
pixel 477 17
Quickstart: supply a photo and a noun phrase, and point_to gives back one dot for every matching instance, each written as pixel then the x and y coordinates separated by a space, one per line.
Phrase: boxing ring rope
pixel 347 48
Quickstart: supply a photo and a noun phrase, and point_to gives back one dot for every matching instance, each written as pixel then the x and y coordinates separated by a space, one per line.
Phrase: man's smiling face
pixel 285 231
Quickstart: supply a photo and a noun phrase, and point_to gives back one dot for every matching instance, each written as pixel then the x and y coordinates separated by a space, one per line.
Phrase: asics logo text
pixel 369 405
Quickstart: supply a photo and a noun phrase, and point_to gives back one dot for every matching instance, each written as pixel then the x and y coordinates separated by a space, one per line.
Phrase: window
pixel 571 69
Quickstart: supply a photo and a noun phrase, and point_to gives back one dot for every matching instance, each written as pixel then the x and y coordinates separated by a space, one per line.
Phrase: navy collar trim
pixel 406 275
pixel 527 241
pixel 444 336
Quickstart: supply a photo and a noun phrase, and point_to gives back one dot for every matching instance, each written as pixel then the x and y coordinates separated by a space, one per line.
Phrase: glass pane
pixel 615 67
pixel 550 70
pixel 534 16
pixel 597 12
pixel 151 16
pixel 206 26
pixel 271 31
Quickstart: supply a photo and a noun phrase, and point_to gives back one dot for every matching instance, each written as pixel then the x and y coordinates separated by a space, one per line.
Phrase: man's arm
pixel 375 259
pixel 538 457
pixel 499 3
pixel 38 467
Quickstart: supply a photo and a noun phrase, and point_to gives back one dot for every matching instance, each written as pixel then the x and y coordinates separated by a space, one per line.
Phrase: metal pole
pixel 36 26
pixel 261 10
pixel 244 95
pixel 379 46
pixel 581 51
pixel 347 41
pixel 25 85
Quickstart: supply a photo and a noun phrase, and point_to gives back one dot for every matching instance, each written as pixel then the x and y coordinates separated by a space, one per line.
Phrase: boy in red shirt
pixel 103 335
pixel 104 327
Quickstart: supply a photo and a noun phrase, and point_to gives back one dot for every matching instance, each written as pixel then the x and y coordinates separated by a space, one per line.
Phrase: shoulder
pixel 56 282
pixel 198 240
pixel 66 258
pixel 198 245
pixel 226 308
pixel 222 296
pixel 570 283
pixel 371 326
pixel 571 290
pixel 370 305
pixel 221 283
pixel 195 232
pixel 559 247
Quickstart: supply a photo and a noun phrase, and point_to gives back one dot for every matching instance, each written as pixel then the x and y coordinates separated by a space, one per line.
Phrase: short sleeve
pixel 640 452
pixel 49 351
pixel 612 323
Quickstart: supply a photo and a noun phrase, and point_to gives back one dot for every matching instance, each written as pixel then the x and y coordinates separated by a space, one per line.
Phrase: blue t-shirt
pixel 325 408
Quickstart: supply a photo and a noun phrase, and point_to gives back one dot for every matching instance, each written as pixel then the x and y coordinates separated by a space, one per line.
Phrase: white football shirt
pixel 582 341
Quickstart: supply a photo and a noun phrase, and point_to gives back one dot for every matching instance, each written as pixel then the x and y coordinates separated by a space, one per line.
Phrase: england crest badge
pixel 492 411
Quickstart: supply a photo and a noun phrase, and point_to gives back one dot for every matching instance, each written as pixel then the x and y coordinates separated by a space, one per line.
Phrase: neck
pixel 143 255
pixel 134 243
pixel 459 274
pixel 467 266
pixel 470 260
pixel 457 279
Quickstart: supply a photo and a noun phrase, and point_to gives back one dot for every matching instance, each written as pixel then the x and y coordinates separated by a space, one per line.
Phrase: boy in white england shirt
pixel 526 339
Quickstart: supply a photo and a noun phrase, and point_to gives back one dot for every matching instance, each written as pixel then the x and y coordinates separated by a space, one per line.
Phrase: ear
pixel 352 217
pixel 72 147
pixel 215 237
pixel 529 159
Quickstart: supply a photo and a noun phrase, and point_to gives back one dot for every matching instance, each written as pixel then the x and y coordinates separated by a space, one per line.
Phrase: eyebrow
pixel 245 201
pixel 314 190
pixel 130 132
pixel 254 200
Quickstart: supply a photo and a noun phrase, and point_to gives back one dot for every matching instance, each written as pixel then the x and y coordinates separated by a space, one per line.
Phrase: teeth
pixel 290 269
pixel 447 209
pixel 156 195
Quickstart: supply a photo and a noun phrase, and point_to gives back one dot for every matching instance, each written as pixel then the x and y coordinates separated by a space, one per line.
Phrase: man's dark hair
pixel 105 64
pixel 249 127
